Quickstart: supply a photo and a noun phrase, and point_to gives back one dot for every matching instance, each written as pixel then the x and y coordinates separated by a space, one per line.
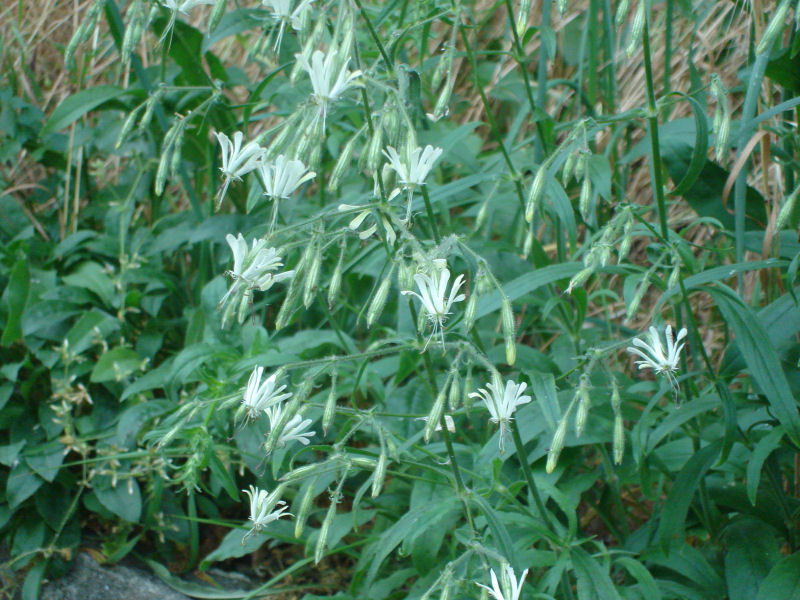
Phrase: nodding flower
pixel 432 295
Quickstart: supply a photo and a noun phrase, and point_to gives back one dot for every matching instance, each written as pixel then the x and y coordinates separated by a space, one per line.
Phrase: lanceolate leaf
pixel 783 581
pixel 761 359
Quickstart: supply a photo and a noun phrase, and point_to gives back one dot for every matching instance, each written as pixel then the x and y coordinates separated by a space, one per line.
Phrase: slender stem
pixel 526 469
pixel 429 210
pixel 652 118
pixel 375 37
pixel 492 123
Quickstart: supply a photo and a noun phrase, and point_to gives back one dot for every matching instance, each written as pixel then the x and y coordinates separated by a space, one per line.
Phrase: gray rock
pixel 90 581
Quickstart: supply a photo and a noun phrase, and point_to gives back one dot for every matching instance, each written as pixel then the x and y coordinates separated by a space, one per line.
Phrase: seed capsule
pixel 435 415
pixel 330 405
pixel 322 540
pixel 619 439
pixel 535 195
pixel 379 475
pixel 379 300
pixel 637 28
pixel 304 510
pixel 557 446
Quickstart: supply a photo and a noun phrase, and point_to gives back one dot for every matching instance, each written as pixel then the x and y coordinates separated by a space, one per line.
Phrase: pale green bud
pixel 774 28
pixel 723 134
pixel 787 209
pixel 454 394
pixel 365 463
pixel 312 275
pixel 483 215
pixel 536 193
pixel 342 163
pixel 509 330
pixel 216 15
pixel 586 195
pixel 373 157
pixel 558 445
pixel 467 399
pixel 336 279
pixel 522 16
pixel 528 245
pixel 675 276
pixel 622 11
pixel 329 412
pixel 616 401
pixel 322 540
pixel 644 285
pixel 304 510
pixel 627 239
pixel 619 439
pixel 379 475
pixel 568 169
pixel 127 126
pixel 562 6
pixel 637 29
pixel 379 300
pixel 470 311
pixel 584 402
pixel 436 413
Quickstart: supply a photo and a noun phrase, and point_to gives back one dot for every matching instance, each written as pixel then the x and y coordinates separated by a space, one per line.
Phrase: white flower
pixel 432 295
pixel 328 83
pixel 237 160
pixel 185 6
pixel 414 171
pixel 655 356
pixel 294 428
pixel 515 588
pixel 282 11
pixel 261 505
pixel 252 269
pixel 283 176
pixel 502 403
pixel 259 396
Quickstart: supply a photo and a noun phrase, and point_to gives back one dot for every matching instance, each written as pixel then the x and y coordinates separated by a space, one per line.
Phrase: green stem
pixel 652 119
pixel 429 210
pixel 492 123
pixel 375 37
pixel 526 469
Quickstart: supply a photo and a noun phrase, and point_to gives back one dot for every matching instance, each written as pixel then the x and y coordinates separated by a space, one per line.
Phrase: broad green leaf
pixel 16 294
pixel 761 452
pixel 783 581
pixel 116 365
pixel 45 459
pixel 77 105
pixel 525 284
pixel 33 581
pixel 642 576
pixel 680 496
pixel 123 499
pixel 499 532
pixel 93 277
pixel 22 483
pixel 10 452
pixel 752 551
pixel 761 358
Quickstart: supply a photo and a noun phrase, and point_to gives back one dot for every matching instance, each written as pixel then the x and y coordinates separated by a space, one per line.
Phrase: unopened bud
pixel 568 169
pixel 322 540
pixel 619 439
pixel 435 415
pixel 379 475
pixel 336 279
pixel 616 401
pixel 379 300
pixel 483 214
pixel 127 126
pixel 774 28
pixel 528 245
pixel 467 399
pixel 536 193
pixel 584 402
pixel 558 445
pixel 470 311
pixel 329 412
pixel 637 28
pixel 627 239
pixel 787 209
pixel 622 12
pixel 312 275
pixel 216 15
pixel 342 163
pixel 522 16
pixel 304 510
pixel 644 285
pixel 509 330
pixel 586 195
pixel 723 134
pixel 454 395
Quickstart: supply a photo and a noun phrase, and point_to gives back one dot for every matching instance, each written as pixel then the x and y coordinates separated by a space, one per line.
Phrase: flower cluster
pixel 253 269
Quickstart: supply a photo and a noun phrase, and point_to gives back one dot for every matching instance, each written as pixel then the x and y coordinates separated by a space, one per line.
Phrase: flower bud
pixel 312 276
pixel 644 285
pixel 470 311
pixel 637 28
pixel 216 15
pixel 508 330
pixel 436 413
pixel 568 168
pixel 342 163
pixel 304 510
pixel 528 245
pixel 467 399
pixel 379 300
pixel 615 397
pixel 522 16
pixel 584 401
pixel 127 126
pixel 619 439
pixel 329 412
pixel 336 279
pixel 454 395
pixel 787 209
pixel 586 195
pixel 483 214
pixel 622 11
pixel 675 276
pixel 368 464
pixel 627 239
pixel 774 28
pixel 373 156
pixel 379 475
pixel 536 193
pixel 558 444
pixel 723 134
pixel 322 540
pixel 562 6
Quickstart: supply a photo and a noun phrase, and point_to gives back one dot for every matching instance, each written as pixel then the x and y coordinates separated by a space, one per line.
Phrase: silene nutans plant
pixel 402 300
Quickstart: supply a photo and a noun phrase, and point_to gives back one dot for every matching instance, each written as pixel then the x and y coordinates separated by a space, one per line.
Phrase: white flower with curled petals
pixel 184 7
pixel 253 269
pixel 283 176
pixel 432 296
pixel 502 403
pixel 514 588
pixel 237 160
pixel 283 13
pixel 329 76
pixel 258 396
pixel 414 170
pixel 655 355
pixel 294 428
pixel 261 504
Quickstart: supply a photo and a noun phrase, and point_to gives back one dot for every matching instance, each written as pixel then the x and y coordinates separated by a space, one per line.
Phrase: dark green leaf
pixel 77 105
pixel 783 581
pixel 16 296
